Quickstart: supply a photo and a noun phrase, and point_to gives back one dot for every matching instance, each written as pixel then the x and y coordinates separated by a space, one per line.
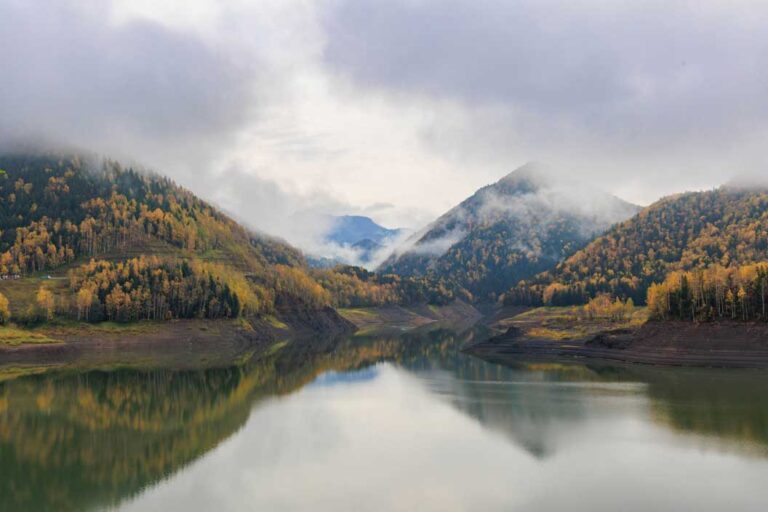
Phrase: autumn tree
pixel 45 303
pixel 5 310
pixel 714 293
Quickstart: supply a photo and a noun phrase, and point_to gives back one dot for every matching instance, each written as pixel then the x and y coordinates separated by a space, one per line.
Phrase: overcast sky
pixel 398 109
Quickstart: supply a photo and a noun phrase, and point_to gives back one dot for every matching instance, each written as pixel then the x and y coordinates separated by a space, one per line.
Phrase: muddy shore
pixel 726 344
pixel 185 344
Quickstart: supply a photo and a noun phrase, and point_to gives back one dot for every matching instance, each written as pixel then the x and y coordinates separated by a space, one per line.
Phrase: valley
pixel 96 255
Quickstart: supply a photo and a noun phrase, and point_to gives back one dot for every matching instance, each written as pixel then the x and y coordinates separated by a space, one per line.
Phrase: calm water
pixel 385 424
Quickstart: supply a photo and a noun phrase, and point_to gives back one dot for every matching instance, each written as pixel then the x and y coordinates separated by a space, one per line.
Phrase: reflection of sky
pixel 388 442
pixel 334 378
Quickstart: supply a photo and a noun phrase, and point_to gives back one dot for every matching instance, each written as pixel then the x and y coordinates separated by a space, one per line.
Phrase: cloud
pixel 612 91
pixel 276 210
pixel 302 219
pixel 649 69
pixel 409 103
pixel 532 199
pixel 135 89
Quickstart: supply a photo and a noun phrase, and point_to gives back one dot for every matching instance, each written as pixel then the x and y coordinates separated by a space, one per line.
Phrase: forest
pixel 726 227
pixel 715 293
pixel 506 232
pixel 136 246
pixel 357 287
pixel 58 208
pixel 148 288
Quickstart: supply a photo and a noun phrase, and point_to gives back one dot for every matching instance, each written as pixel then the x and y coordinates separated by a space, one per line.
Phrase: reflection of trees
pixel 513 400
pixel 730 405
pixel 71 441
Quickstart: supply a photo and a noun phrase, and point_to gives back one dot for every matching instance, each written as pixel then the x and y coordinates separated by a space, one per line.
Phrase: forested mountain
pixel 58 208
pixel 508 231
pixel 60 211
pixel 135 245
pixel 725 227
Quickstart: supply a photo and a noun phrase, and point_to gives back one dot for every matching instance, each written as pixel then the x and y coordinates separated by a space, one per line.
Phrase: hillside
pixel 126 244
pixel 508 231
pixel 726 227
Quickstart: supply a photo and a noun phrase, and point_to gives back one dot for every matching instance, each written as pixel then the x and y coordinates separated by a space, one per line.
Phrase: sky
pixel 282 110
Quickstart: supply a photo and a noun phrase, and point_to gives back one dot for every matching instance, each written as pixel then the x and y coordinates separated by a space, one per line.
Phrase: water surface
pixel 385 423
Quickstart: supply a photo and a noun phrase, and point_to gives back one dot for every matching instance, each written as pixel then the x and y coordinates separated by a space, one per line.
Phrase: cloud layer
pixel 337 106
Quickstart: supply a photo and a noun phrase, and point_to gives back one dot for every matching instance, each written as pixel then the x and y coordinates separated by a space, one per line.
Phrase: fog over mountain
pixel 513 229
pixel 341 106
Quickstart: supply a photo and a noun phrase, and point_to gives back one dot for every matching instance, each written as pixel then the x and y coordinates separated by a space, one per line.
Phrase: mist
pixel 338 107
pixel 532 197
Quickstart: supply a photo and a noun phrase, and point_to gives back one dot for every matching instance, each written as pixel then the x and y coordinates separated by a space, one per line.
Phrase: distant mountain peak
pixel 525 223
pixel 350 229
pixel 533 175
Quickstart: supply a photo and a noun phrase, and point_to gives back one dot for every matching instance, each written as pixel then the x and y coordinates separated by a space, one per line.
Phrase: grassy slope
pixel 10 335
pixel 21 292
pixel 566 323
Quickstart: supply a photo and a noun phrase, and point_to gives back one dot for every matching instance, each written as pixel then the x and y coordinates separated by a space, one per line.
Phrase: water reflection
pixel 384 423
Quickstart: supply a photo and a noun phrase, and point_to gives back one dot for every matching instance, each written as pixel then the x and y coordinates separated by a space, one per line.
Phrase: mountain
pixel 352 229
pixel 524 224
pixel 360 234
pixel 135 246
pixel 727 226
pixel 88 239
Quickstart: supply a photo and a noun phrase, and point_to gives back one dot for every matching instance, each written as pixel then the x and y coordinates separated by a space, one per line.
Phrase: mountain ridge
pixel 686 231
pixel 509 230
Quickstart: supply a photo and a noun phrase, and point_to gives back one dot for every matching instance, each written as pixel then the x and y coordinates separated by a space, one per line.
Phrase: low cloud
pixel 551 196
pixel 135 89
pixel 413 104
pixel 645 98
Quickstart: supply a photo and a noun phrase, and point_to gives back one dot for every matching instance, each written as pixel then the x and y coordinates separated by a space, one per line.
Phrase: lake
pixel 391 422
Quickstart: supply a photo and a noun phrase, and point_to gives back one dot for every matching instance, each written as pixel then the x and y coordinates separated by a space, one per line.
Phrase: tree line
pixel 149 288
pixel 54 209
pixel 696 230
pixel 715 293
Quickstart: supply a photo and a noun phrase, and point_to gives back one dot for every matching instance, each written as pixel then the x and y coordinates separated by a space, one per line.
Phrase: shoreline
pixel 193 342
pixel 674 343
pixel 205 343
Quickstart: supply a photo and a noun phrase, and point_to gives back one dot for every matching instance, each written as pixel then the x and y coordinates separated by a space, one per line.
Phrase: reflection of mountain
pixel 729 407
pixel 529 405
pixel 534 405
pixel 71 441
pixel 81 441
pixel 77 441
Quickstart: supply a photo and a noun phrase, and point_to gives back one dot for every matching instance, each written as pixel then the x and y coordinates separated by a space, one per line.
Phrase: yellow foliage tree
pixel 5 310
pixel 45 303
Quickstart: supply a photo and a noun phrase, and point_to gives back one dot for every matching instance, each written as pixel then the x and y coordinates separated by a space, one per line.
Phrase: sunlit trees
pixel 45 303
pixel 606 308
pixel 5 310
pixel 151 288
pixel 714 293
